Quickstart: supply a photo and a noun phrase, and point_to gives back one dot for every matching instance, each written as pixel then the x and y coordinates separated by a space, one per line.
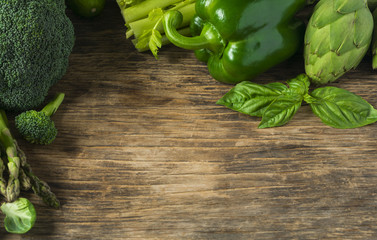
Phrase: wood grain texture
pixel 143 152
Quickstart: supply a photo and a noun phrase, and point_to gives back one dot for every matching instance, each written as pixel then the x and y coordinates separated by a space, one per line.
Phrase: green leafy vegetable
pixel 277 104
pixel 274 102
pixel 143 20
pixel 152 38
pixel 284 107
pixel 20 216
pixel 280 111
pixel 251 98
pixel 299 85
pixel 340 108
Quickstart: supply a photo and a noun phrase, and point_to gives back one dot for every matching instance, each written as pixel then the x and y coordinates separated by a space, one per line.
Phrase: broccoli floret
pixel 37 127
pixel 36 39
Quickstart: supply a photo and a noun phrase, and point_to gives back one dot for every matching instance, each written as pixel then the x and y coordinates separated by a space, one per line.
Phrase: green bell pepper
pixel 239 39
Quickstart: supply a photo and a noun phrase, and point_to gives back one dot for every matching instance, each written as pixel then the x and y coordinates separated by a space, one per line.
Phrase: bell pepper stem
pixel 209 37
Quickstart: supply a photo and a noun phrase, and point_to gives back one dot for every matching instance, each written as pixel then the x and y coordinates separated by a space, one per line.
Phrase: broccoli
pixel 37 127
pixel 36 39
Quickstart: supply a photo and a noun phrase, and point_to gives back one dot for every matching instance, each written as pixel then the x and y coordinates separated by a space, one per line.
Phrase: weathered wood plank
pixel 144 152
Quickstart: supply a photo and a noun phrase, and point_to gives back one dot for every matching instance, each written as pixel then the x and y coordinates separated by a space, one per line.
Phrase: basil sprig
pixel 340 108
pixel 277 103
pixel 251 98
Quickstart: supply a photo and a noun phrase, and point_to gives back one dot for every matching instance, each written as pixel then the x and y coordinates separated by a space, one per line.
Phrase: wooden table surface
pixel 144 152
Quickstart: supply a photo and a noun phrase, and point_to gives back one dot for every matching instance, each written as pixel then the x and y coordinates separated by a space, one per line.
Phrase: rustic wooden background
pixel 143 152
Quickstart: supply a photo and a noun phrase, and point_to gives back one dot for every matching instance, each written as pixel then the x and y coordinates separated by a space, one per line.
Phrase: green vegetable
pixel 251 98
pixel 87 8
pixel 337 38
pixel 9 148
pixel 3 181
pixel 285 106
pixel 277 103
pixel 143 20
pixel 20 216
pixel 129 3
pixel 37 127
pixel 36 39
pixel 372 4
pixel 339 108
pixel 16 175
pixel 39 187
pixel 240 39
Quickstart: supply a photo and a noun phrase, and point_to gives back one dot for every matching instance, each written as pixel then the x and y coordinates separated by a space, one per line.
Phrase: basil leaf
pixel 20 215
pixel 284 107
pixel 340 108
pixel 299 85
pixel 281 111
pixel 251 98
pixel 280 87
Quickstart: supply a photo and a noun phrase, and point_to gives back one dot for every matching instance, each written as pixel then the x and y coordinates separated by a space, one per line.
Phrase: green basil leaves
pixel 340 108
pixel 280 111
pixel 277 103
pixel 251 98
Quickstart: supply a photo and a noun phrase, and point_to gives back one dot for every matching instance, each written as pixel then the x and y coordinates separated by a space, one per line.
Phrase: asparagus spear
pixel 20 173
pixel 25 181
pixel 3 182
pixel 39 187
pixel 10 149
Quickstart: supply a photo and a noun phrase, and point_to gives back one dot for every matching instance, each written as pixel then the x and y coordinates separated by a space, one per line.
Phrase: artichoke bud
pixel 337 38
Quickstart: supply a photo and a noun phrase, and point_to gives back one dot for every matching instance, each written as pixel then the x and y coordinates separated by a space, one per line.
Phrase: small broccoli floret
pixel 37 127
pixel 36 39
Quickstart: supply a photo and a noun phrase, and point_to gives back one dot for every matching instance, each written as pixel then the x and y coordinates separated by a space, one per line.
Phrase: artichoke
pixel 337 38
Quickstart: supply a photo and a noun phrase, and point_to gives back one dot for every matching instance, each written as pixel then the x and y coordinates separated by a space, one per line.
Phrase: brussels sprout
pixel 20 215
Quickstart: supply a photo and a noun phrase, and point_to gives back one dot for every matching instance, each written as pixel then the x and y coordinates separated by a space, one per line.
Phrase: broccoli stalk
pixel 37 127
pixel 53 105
